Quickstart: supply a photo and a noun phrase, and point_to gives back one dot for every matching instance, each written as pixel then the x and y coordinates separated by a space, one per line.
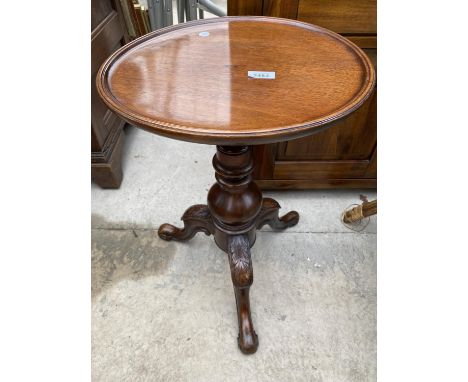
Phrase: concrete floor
pixel 166 311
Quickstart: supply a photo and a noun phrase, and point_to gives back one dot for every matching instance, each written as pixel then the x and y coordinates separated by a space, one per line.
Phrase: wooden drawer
pixel 341 16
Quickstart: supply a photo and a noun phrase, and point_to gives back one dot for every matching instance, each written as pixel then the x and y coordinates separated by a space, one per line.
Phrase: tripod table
pixel 235 82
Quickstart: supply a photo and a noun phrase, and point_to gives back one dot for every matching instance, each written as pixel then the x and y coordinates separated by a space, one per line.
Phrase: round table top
pixel 236 80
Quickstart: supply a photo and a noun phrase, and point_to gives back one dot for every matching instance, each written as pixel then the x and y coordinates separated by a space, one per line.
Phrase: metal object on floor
pixel 357 216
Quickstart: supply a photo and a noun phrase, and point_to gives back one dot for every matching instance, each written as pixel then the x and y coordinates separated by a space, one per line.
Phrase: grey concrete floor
pixel 166 311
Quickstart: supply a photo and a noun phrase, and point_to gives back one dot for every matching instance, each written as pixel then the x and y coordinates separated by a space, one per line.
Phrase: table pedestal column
pixel 234 212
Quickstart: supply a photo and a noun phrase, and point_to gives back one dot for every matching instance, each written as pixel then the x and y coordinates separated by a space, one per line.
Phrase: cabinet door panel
pixel 351 138
pixel 341 16
pixel 280 8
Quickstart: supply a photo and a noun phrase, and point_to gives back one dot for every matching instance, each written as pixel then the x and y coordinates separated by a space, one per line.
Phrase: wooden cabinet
pixel 354 17
pixel 106 128
pixel 345 154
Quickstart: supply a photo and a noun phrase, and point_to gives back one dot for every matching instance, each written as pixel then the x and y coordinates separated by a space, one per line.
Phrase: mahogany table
pixel 235 82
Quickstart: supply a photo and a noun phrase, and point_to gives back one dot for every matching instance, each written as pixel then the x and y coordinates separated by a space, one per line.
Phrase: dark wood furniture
pixel 107 35
pixel 154 83
pixel 345 155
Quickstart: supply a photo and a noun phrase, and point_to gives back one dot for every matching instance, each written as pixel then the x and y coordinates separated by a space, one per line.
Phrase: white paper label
pixel 261 75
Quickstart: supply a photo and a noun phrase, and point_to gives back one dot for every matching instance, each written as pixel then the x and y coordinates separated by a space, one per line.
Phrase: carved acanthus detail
pixel 240 261
pixel 197 211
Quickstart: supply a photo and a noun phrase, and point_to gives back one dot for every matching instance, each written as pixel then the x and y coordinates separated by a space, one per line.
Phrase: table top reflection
pixel 236 80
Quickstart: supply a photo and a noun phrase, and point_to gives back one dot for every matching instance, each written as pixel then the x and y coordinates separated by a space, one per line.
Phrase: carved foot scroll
pixel 196 219
pixel 242 278
pixel 269 214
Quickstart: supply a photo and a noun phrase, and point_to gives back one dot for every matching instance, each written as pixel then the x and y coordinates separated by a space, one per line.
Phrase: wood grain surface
pixel 178 83
pixel 342 16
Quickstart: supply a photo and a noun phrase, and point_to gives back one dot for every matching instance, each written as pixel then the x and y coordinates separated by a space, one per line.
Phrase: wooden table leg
pixel 269 214
pixel 234 212
pixel 240 263
pixel 196 219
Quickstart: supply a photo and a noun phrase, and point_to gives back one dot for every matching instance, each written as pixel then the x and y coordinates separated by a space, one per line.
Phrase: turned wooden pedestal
pixel 236 82
pixel 234 212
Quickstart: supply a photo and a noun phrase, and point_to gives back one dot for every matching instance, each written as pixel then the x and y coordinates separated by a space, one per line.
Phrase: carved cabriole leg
pixel 235 202
pixel 269 214
pixel 196 219
pixel 240 263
